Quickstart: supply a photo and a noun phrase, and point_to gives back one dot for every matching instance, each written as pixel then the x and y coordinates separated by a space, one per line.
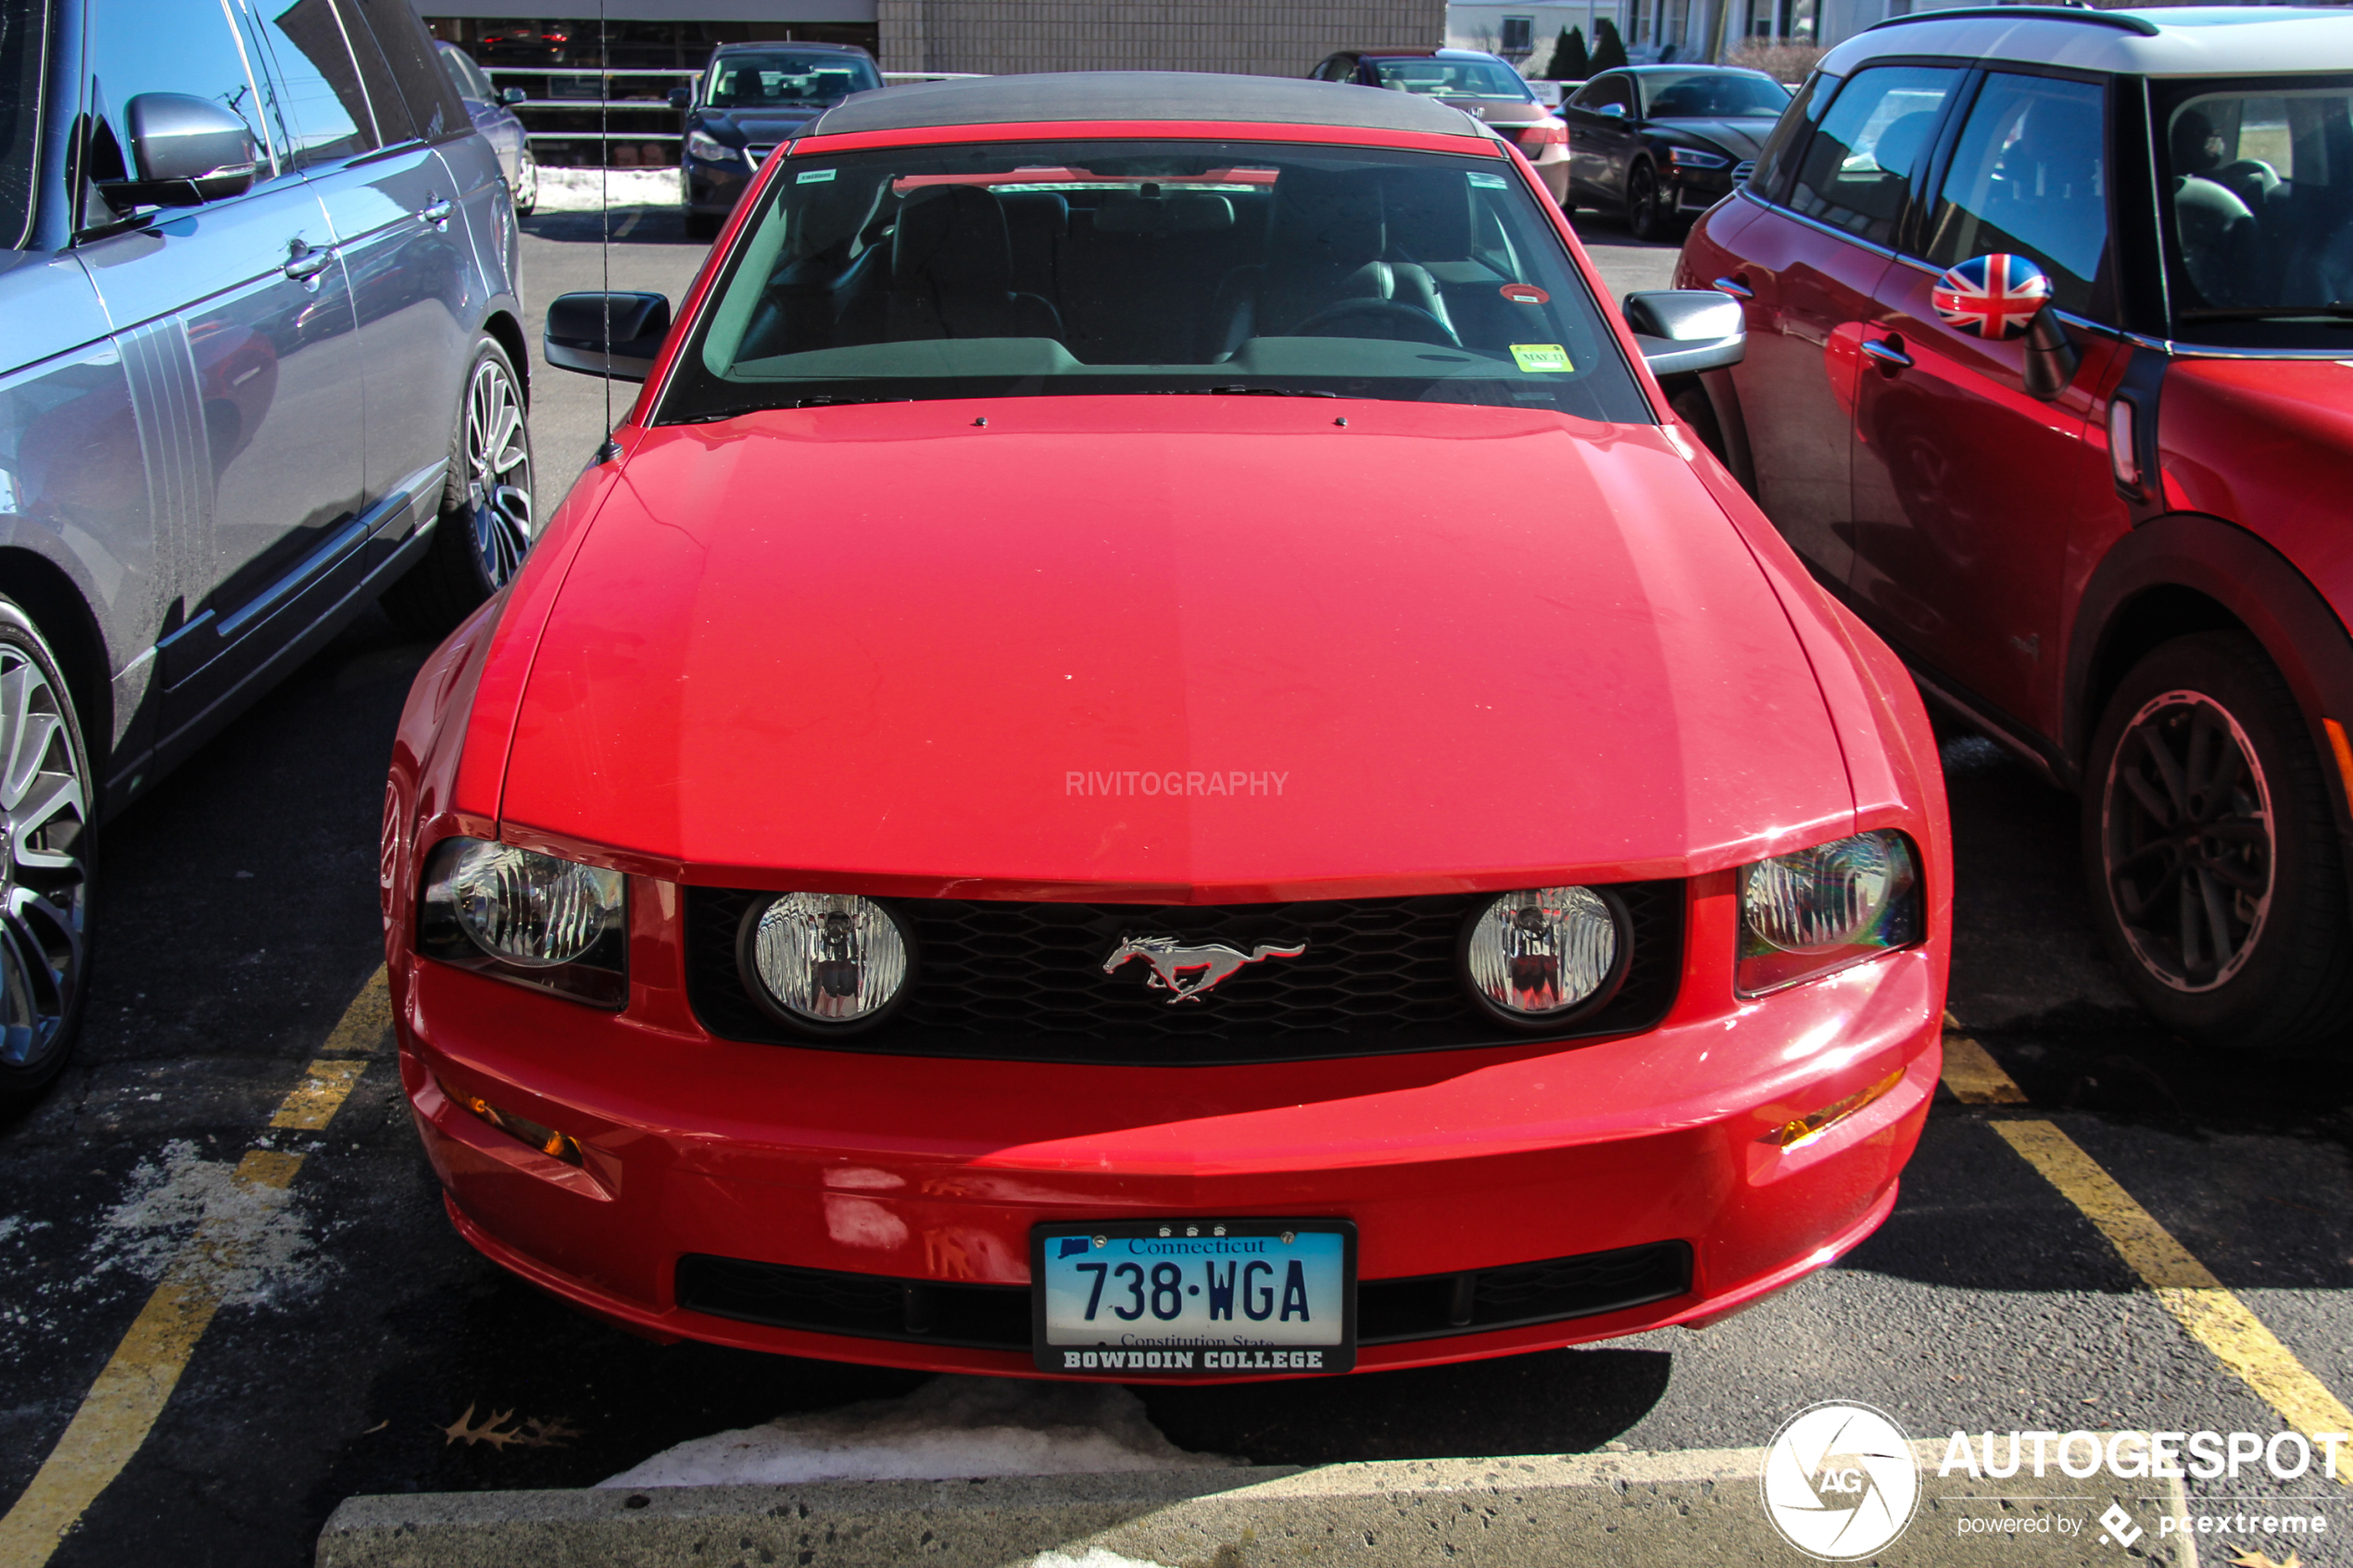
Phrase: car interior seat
pixel 1326 247
pixel 952 271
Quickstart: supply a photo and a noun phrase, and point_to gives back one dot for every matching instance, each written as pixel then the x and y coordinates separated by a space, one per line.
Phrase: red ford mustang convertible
pixel 1055 808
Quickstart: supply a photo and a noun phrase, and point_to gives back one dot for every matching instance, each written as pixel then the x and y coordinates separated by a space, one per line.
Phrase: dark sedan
pixel 750 97
pixel 1661 144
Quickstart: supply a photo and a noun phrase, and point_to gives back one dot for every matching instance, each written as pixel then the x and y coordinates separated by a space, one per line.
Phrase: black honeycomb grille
pixel 1025 981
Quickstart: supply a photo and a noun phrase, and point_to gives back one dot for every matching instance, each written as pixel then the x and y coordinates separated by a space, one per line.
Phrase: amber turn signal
pixel 1789 1135
pixel 547 1140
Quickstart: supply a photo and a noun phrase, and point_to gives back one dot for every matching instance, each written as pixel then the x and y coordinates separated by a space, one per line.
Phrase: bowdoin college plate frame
pixel 1197 1247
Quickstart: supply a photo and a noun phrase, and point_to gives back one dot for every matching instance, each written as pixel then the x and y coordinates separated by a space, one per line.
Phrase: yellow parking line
pixel 1974 1076
pixel 2185 1287
pixel 122 1407
pixel 365 1023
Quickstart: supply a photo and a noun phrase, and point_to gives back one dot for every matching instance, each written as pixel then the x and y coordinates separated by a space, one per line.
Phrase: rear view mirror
pixel 2002 296
pixel 606 334
pixel 184 151
pixel 1681 330
pixel 513 95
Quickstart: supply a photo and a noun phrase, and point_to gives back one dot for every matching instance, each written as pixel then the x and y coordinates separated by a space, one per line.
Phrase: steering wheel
pixel 1411 322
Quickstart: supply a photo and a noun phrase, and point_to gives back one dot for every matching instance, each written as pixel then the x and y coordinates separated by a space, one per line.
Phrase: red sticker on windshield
pixel 1523 293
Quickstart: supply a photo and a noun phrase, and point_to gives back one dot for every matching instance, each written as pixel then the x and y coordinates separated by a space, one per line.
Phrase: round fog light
pixel 1534 957
pixel 827 958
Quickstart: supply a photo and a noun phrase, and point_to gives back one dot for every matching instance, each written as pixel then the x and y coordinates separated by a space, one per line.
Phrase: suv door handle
pixel 306 263
pixel 1734 288
pixel 1889 352
pixel 435 211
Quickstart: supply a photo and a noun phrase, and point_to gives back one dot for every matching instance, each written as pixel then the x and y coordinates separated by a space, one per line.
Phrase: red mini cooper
pixel 1047 807
pixel 2050 313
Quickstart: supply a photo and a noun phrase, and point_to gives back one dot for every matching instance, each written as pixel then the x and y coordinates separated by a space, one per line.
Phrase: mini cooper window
pixel 2026 179
pixel 1777 159
pixel 1857 169
pixel 2257 198
pixel 1029 269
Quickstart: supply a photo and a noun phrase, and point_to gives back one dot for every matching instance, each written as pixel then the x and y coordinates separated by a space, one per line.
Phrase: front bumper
pixel 713 189
pixel 1696 190
pixel 930 1169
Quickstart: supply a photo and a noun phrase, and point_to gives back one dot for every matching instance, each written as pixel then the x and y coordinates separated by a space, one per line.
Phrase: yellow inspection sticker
pixel 1541 356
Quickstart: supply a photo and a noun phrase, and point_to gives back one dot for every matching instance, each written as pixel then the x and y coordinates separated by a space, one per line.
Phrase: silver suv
pixel 260 362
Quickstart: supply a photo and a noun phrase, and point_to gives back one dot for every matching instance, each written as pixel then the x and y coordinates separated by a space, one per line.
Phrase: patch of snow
pixel 949 1429
pixel 585 190
pixel 250 1240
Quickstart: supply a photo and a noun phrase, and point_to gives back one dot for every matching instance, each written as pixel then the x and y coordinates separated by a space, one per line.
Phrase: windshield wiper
pixel 737 410
pixel 1243 392
pixel 2340 311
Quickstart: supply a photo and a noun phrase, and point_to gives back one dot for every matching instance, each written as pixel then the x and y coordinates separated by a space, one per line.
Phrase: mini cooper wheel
pixel 2211 848
pixel 46 815
pixel 487 520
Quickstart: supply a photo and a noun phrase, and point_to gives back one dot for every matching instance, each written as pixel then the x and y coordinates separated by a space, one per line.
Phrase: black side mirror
pixel 2003 296
pixel 514 96
pixel 184 151
pixel 1681 330
pixel 606 334
pixel 681 97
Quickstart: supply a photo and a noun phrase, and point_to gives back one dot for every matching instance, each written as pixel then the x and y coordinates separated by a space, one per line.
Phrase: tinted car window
pixel 23 28
pixel 1714 94
pixel 467 77
pixel 782 79
pixel 386 101
pixel 1453 79
pixel 321 112
pixel 2258 207
pixel 1778 160
pixel 134 47
pixel 432 103
pixel 2026 179
pixel 1044 268
pixel 1606 90
pixel 1857 167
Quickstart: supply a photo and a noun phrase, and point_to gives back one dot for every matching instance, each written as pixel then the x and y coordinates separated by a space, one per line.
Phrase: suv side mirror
pixel 606 334
pixel 514 96
pixel 184 151
pixel 2002 296
pixel 680 97
pixel 1681 330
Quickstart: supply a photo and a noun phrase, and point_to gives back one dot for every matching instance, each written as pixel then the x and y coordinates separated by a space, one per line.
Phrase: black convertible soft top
pixel 1141 94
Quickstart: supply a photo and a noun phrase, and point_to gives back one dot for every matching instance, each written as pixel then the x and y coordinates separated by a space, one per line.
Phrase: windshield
pixel 22 26
pixel 1712 94
pixel 786 79
pixel 2259 222
pixel 1042 269
pixel 1454 79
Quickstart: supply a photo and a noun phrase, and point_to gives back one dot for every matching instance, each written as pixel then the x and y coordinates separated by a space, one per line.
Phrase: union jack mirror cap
pixel 1992 296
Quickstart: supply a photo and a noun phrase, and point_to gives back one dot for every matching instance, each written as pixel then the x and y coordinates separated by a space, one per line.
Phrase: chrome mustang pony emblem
pixel 1187 971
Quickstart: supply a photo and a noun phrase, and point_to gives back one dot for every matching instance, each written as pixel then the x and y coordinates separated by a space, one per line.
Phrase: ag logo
pixel 1839 1481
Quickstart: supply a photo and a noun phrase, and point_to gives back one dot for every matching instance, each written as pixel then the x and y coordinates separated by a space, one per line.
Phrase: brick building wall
pixel 1255 37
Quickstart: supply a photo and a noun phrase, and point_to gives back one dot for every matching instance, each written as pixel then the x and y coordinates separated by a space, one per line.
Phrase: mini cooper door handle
pixel 1734 288
pixel 306 264
pixel 435 211
pixel 1889 352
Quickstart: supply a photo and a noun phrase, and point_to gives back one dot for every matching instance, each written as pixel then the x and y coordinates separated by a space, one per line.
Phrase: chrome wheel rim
pixel 499 473
pixel 527 182
pixel 2187 841
pixel 43 886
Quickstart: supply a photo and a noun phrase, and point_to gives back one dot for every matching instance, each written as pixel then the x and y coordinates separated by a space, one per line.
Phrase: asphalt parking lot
pixel 362 1347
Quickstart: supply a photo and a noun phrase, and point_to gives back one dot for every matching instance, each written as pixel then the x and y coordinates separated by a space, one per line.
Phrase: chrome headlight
pixel 825 961
pixel 535 919
pixel 710 149
pixel 1823 908
pixel 1541 955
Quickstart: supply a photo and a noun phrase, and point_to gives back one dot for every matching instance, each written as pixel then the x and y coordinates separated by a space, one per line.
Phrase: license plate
pixel 1195 1298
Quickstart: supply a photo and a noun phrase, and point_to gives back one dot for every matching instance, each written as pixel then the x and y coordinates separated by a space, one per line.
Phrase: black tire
pixel 704 225
pixel 487 520
pixel 2211 844
pixel 1645 217
pixel 46 840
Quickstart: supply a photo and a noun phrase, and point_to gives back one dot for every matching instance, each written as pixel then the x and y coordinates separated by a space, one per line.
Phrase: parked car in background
pixel 493 114
pixel 1482 931
pixel 1663 144
pixel 750 97
pixel 1480 85
pixel 262 362
pixel 2048 328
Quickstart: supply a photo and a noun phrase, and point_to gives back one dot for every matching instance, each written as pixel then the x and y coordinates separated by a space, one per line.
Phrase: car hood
pixel 1190 647
pixel 1741 138
pixel 755 128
